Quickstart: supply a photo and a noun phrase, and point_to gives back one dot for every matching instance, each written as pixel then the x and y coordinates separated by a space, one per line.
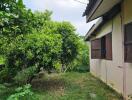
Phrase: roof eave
pixel 105 18
pixel 92 30
pixel 93 9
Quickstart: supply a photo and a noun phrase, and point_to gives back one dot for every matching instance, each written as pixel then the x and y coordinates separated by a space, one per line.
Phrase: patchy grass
pixel 73 86
pixel 69 86
pixel 5 92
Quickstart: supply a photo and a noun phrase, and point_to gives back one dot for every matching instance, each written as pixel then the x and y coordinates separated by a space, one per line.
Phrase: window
pixel 102 48
pixel 108 39
pixel 128 42
pixel 96 49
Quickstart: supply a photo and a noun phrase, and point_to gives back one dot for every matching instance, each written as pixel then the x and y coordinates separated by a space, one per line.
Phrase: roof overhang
pixel 98 8
pixel 93 31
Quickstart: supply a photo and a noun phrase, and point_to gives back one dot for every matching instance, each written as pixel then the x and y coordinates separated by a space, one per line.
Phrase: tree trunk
pixel 32 77
pixel 63 68
pixel 29 81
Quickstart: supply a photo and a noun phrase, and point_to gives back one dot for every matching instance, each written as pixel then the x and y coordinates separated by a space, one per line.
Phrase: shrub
pixel 37 50
pixel 23 76
pixel 2 60
pixel 3 75
pixel 81 62
pixel 2 88
pixel 23 93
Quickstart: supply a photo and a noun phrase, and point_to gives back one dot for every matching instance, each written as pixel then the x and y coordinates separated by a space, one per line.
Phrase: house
pixel 110 41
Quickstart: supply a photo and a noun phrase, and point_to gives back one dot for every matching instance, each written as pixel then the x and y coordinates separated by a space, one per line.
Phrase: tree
pixel 34 50
pixel 25 46
pixel 83 56
pixel 70 42
pixel 81 62
pixel 15 19
pixel 32 40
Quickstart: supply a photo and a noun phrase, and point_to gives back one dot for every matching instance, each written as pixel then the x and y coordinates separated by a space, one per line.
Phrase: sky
pixel 64 10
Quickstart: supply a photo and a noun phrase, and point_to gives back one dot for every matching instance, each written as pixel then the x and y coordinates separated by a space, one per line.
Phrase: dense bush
pixel 2 60
pixel 70 43
pixel 4 75
pixel 2 88
pixel 24 76
pixel 37 50
pixel 15 19
pixel 70 40
pixel 81 62
pixel 30 41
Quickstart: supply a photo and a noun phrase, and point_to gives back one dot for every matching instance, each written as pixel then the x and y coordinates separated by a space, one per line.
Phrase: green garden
pixel 42 59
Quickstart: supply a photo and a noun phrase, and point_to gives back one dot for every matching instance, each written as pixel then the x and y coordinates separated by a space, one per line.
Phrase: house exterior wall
pixel 108 70
pixel 127 10
pixel 116 73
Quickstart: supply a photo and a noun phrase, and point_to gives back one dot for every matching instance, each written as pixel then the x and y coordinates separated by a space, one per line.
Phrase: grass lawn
pixel 69 86
pixel 73 86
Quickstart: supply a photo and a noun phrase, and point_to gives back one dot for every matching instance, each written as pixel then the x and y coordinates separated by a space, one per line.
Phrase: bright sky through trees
pixel 68 10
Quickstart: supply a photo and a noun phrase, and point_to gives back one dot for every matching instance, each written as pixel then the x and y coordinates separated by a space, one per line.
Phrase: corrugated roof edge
pixel 89 7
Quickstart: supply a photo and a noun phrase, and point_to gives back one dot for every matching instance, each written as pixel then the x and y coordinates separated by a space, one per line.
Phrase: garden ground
pixel 71 86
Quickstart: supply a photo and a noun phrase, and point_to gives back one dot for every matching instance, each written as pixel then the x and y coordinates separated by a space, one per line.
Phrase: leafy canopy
pixel 33 40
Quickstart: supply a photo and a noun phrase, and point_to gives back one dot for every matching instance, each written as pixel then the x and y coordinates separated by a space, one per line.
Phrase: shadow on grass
pixel 49 84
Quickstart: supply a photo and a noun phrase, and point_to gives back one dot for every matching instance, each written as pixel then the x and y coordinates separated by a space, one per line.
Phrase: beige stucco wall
pixel 127 10
pixel 116 73
pixel 108 70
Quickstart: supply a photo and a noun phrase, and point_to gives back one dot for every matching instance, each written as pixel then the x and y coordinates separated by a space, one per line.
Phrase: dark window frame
pixel 96 50
pixel 109 56
pixel 127 42
pixel 103 48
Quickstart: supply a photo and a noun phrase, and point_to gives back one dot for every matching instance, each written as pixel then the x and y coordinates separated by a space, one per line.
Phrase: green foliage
pixel 69 43
pixel 37 50
pixel 81 62
pixel 2 60
pixel 70 40
pixel 2 88
pixel 23 93
pixel 3 75
pixel 5 91
pixel 23 76
pixel 15 19
pixel 41 19
pixel 31 40
pixel 83 56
